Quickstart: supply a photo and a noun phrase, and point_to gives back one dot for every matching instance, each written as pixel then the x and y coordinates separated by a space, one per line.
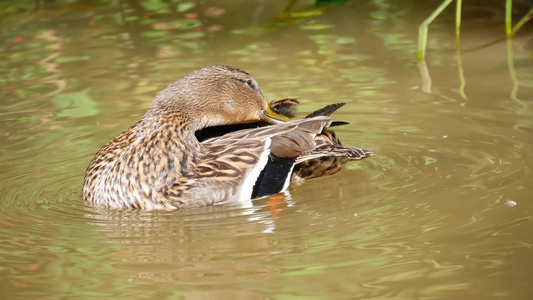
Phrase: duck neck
pixel 174 126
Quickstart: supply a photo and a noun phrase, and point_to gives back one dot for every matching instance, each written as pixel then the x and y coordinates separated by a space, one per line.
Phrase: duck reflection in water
pixel 189 246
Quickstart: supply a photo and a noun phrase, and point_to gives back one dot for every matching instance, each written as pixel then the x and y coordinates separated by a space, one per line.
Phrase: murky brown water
pixel 443 211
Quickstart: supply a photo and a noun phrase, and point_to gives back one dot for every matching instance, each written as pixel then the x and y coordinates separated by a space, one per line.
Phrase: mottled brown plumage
pixel 159 163
pixel 329 156
pixel 285 106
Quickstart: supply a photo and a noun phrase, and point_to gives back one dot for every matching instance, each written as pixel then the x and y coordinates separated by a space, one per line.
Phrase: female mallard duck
pixel 172 158
pixel 329 156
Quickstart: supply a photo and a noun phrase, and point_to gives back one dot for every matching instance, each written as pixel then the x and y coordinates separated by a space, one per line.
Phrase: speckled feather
pixel 159 170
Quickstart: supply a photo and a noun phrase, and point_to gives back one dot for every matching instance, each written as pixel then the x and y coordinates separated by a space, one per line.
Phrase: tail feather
pixel 326 111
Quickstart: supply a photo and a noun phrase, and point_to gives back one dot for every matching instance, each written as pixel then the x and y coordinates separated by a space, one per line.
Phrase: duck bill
pixel 272 117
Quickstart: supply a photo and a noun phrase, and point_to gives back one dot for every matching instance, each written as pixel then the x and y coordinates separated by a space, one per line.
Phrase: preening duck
pixel 200 144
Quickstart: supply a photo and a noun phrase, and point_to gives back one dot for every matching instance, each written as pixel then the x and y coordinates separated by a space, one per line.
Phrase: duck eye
pixel 250 83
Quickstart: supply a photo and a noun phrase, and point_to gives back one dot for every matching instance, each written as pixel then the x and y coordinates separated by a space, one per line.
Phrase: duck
pixel 329 156
pixel 202 142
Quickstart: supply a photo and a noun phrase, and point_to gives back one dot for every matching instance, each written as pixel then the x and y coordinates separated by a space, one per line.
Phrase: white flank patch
pixel 289 175
pixel 288 180
pixel 252 175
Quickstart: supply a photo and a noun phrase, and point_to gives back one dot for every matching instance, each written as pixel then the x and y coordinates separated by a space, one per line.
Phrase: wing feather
pixel 231 163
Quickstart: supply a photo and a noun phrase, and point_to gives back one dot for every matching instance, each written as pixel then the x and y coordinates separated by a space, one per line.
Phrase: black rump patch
pixel 273 177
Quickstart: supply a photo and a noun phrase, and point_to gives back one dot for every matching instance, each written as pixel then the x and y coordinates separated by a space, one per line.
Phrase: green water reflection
pixel 443 210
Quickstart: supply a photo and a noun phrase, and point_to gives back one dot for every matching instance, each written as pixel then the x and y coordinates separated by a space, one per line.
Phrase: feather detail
pixel 329 156
pixel 232 163
pixel 326 111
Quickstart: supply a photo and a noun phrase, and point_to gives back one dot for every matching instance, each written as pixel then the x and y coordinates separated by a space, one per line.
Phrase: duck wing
pixel 246 164
pixel 326 159
pixel 329 156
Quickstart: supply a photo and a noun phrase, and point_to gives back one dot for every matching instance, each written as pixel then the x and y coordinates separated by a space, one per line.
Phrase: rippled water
pixel 442 211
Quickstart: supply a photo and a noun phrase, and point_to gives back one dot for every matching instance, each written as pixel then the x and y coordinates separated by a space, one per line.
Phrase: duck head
pixel 212 96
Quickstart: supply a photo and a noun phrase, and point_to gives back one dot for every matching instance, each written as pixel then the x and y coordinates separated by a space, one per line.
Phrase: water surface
pixel 443 211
